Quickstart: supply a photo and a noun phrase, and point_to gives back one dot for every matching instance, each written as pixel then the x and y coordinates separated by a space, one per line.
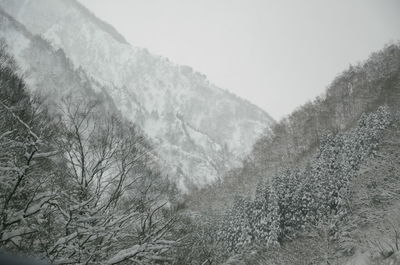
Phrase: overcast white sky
pixel 277 54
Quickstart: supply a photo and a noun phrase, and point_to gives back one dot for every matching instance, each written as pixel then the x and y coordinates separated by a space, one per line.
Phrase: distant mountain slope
pixel 201 130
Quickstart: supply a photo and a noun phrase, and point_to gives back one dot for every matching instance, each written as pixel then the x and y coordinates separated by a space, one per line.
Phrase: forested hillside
pixel 362 88
pixel 77 188
pixel 305 189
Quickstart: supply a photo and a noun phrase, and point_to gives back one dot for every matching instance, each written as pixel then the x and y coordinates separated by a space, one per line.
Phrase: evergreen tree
pixel 274 218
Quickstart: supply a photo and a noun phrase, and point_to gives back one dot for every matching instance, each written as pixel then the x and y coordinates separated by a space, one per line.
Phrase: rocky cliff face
pixel 199 129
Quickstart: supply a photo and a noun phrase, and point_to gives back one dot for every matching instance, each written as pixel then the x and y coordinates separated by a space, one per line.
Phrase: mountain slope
pixel 201 130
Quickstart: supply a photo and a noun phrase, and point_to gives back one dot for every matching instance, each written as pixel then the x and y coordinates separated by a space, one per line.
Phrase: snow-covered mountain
pixel 199 129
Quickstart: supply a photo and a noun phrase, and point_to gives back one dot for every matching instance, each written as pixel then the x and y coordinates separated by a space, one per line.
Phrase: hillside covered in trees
pixel 306 193
pixel 79 187
pixel 360 89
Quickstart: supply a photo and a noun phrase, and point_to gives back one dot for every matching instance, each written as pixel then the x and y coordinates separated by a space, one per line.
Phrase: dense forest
pixel 81 184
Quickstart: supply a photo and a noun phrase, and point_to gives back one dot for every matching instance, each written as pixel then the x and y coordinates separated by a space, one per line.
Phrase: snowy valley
pixel 110 154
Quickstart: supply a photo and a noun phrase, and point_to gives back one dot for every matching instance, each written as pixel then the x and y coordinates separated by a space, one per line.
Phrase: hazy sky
pixel 277 54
